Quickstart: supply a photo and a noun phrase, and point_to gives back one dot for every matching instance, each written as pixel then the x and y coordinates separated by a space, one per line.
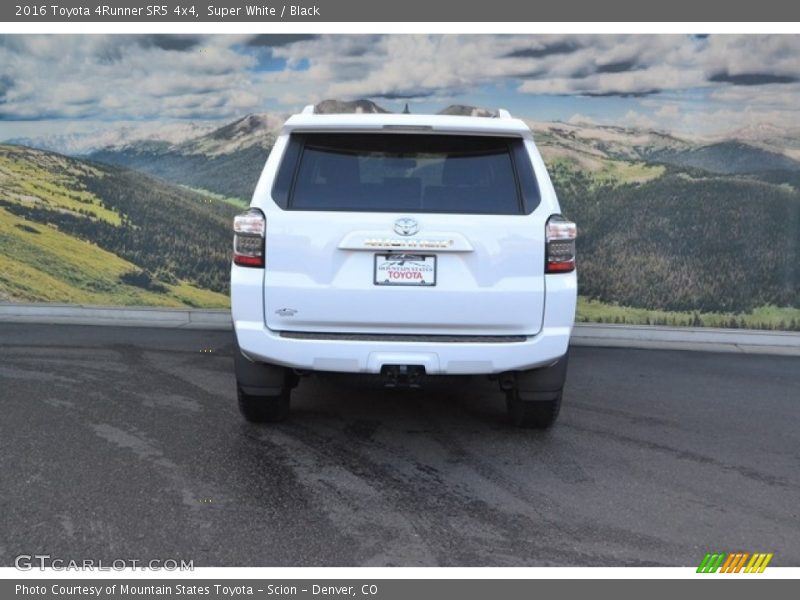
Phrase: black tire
pixel 263 389
pixel 264 409
pixel 533 397
pixel 532 414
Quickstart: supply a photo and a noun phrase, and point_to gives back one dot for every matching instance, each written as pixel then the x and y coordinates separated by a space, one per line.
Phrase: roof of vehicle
pixel 503 124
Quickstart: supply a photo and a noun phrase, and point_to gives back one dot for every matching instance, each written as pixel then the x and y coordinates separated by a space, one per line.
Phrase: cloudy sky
pixel 692 84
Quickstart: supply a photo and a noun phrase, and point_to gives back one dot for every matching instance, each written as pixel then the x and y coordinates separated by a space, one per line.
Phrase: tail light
pixel 560 245
pixel 249 229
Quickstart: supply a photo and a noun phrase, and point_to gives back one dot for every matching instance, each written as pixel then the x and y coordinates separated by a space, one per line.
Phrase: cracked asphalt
pixel 126 443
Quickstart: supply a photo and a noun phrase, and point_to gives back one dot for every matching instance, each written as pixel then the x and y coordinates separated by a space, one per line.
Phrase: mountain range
pixel 83 143
pixel 225 161
pixel 667 222
pixel 229 159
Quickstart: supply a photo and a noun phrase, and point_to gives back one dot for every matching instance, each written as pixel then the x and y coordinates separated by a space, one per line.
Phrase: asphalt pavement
pixel 126 443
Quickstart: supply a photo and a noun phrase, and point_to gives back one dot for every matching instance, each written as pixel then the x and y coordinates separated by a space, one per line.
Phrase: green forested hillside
pixel 75 231
pixel 232 174
pixel 686 242
pixel 726 157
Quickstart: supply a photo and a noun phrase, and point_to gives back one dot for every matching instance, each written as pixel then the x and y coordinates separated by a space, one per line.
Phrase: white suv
pixel 404 246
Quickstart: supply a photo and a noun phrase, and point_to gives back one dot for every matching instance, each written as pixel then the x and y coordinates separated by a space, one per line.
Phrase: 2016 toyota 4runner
pixel 406 247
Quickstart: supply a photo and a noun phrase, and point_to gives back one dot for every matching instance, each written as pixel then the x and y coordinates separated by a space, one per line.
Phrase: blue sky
pixel 689 84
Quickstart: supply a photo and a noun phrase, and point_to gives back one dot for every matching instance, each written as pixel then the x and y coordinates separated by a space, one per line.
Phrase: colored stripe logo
pixel 734 562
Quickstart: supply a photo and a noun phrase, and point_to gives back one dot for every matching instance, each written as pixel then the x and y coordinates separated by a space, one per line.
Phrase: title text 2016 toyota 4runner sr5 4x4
pixel 406 247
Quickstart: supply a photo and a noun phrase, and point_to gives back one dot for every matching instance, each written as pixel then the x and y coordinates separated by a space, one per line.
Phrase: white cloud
pixel 737 54
pixel 118 77
pixel 637 120
pixel 581 119
pixel 669 80
pixel 668 112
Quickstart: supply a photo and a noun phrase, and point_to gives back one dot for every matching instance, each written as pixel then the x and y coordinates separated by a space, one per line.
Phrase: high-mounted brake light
pixel 249 229
pixel 560 245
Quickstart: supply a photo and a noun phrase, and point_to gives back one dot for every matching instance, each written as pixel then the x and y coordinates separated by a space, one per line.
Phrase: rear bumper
pixel 353 356
pixel 334 353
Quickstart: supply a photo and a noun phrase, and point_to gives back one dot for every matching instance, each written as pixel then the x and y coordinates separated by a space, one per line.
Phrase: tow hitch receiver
pixel 402 376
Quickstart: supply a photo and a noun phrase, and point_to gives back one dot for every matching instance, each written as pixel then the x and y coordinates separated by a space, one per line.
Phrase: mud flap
pixel 542 384
pixel 261 379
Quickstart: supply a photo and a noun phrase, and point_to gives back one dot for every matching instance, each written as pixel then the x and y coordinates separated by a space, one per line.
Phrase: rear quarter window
pixel 379 172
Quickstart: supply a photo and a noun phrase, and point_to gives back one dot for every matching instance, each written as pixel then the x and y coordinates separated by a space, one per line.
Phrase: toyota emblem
pixel 406 226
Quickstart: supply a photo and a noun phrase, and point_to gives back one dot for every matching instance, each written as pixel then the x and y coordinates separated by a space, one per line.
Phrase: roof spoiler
pixel 502 113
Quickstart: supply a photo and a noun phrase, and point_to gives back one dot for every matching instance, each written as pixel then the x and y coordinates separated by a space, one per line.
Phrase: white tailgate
pixel 320 274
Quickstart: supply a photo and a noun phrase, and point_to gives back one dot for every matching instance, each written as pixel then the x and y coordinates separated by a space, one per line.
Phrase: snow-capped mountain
pixel 83 143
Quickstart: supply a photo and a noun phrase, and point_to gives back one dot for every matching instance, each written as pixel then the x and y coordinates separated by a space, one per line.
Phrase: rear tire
pixel 264 409
pixel 532 414
pixel 533 397
pixel 263 390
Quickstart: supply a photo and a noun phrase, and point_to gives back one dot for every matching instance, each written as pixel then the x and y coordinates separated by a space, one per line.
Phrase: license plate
pixel 405 269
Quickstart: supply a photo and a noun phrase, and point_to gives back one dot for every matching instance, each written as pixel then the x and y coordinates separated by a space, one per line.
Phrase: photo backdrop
pixel 124 158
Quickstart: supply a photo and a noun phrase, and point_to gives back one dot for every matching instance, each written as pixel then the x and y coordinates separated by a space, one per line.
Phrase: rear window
pixel 406 172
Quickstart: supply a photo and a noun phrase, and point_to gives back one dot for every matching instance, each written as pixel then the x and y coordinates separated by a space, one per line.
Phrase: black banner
pixel 188 11
pixel 383 589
